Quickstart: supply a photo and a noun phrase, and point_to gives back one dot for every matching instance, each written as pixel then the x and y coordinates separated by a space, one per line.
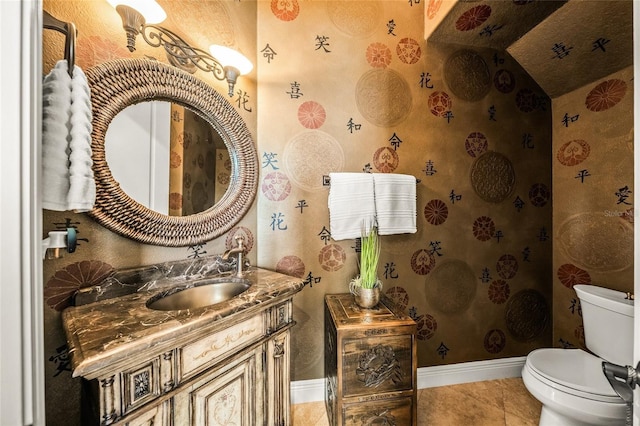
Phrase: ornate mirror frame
pixel 122 82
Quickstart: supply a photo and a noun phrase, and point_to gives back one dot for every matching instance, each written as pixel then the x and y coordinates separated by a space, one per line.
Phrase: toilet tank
pixel 608 323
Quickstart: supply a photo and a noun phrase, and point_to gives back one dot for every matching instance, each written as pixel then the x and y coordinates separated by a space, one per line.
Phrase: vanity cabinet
pixel 234 373
pixel 370 363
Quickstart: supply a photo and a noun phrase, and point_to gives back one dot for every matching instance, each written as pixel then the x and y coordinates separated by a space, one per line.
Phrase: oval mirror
pixel 175 162
pixel 117 84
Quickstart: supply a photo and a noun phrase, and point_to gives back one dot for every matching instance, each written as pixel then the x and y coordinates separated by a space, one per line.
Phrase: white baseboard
pixel 428 377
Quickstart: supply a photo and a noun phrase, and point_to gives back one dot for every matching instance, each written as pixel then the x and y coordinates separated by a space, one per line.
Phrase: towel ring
pixel 70 32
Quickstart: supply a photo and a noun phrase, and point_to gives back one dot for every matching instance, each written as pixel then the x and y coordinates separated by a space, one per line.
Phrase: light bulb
pixel 231 58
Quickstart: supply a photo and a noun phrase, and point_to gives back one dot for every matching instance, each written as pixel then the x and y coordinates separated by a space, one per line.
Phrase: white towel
pixel 395 201
pixel 351 205
pixel 56 110
pixel 66 141
pixel 82 188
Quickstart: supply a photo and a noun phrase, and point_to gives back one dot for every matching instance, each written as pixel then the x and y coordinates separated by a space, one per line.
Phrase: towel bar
pixel 326 180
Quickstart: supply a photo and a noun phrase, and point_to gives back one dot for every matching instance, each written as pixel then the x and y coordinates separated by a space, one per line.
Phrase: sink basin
pixel 204 293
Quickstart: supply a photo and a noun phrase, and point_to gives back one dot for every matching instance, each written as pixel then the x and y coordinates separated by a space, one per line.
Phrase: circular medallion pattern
pixel 175 201
pixel 385 159
pixel 332 257
pixel 311 155
pixel 175 160
pixel 476 144
pixel 422 262
pixel 527 315
pixel 606 95
pixel 526 100
pixel 440 103
pixel 223 178
pixel 451 287
pixel 597 242
pixel 573 152
pixel 484 228
pixel 494 341
pixel 355 18
pixel 426 327
pixel 311 115
pixel 378 55
pixel 399 296
pixel 504 81
pixel 539 194
pixel 498 291
pixel 383 97
pixel 570 275
pixel 507 266
pixel 493 177
pixel 408 51
pixel 285 10
pixel 436 212
pixel 291 265
pixel 467 75
pixel 473 17
pixel 276 186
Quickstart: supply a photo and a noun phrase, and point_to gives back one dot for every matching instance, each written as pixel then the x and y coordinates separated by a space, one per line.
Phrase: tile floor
pixel 504 402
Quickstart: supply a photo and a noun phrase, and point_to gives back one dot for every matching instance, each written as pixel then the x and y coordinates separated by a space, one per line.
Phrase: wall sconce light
pixel 141 17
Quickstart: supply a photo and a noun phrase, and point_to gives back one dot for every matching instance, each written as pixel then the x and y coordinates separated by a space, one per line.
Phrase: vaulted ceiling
pixel 563 45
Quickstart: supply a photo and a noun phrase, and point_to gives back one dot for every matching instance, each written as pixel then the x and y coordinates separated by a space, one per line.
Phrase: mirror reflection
pixel 167 158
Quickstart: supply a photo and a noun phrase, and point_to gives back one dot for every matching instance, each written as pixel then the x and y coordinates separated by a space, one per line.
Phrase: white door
pixel 21 360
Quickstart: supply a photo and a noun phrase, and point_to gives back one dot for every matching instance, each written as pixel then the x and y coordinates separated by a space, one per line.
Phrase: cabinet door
pixel 158 415
pixel 232 395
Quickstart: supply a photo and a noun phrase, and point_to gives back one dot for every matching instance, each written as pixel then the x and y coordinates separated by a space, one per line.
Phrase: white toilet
pixel 570 383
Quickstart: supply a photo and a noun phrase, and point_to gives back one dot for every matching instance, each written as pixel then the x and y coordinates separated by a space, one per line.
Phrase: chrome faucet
pixel 239 251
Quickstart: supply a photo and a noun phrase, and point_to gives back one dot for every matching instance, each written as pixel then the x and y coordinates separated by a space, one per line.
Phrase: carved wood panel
pixel 230 397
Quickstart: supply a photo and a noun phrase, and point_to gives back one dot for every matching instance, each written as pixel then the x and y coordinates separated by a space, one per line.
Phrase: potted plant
pixel 366 286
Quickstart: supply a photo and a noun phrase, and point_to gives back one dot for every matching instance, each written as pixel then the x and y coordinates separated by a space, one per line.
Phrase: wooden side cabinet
pixel 370 363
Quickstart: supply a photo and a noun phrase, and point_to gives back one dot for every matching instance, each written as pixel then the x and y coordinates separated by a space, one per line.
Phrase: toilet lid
pixel 573 369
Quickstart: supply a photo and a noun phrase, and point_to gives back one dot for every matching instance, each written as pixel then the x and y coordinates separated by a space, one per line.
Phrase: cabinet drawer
pixel 200 355
pixel 377 364
pixel 397 411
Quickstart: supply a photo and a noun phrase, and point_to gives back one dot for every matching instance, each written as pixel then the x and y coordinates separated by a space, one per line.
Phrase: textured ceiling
pixel 563 45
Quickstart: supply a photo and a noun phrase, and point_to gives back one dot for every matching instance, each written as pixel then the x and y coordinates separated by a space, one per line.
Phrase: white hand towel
pixel 56 109
pixel 395 201
pixel 351 205
pixel 82 188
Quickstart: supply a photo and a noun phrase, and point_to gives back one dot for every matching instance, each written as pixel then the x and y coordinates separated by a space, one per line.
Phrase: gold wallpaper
pixel 358 89
pixel 593 211
pixel 353 86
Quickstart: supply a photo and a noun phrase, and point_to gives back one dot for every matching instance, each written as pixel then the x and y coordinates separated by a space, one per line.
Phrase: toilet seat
pixel 572 371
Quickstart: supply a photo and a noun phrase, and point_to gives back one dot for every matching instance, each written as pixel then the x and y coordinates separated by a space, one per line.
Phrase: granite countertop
pixel 108 331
